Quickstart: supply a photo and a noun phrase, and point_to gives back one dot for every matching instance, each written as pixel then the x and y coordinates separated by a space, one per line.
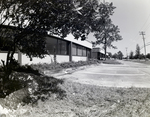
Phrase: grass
pixel 91 101
pixel 109 61
pixel 60 66
pixel 147 62
pixel 81 100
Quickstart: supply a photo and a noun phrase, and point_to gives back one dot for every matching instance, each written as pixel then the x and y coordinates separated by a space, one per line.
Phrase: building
pixel 65 50
pixel 97 54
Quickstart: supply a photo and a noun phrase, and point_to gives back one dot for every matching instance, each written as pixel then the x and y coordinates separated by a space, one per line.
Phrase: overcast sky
pixel 132 16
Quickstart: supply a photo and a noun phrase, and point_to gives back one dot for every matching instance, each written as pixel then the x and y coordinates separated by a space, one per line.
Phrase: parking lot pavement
pixel 127 74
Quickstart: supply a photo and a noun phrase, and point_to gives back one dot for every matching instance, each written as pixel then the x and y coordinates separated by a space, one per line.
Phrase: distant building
pixel 98 54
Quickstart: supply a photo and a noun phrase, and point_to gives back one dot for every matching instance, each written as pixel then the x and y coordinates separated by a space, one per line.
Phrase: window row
pixel 61 47
pixel 56 46
pixel 78 50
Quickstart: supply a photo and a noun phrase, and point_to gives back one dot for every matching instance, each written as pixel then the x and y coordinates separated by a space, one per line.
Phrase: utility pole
pixel 143 33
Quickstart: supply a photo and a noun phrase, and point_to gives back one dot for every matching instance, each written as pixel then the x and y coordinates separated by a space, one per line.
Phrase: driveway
pixel 127 74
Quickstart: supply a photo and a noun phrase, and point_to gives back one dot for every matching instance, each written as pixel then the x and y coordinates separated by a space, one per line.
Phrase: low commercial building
pixel 63 50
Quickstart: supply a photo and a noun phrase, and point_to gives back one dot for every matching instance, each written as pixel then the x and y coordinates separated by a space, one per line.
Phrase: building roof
pixel 70 38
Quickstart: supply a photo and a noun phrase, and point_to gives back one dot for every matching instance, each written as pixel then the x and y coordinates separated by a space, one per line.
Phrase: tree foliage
pixel 34 19
pixel 137 52
pixel 148 55
pixel 107 33
pixel 110 54
pixel 118 55
pixel 131 56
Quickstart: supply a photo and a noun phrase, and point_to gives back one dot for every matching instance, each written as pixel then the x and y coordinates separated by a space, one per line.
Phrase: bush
pixel 27 69
pixel 65 65
pixel 14 83
pixel 40 88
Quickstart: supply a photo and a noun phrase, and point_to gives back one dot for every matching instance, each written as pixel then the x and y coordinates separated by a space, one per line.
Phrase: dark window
pixel 52 45
pixel 62 47
pixel 79 50
pixel 84 51
pixel 74 49
pixel 88 53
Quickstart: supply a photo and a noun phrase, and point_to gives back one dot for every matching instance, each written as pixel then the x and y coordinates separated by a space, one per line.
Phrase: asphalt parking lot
pixel 127 74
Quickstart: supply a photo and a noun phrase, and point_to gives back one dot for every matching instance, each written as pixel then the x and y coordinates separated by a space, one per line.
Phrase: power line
pixel 147 27
pixel 145 22
pixel 147 44
pixel 136 37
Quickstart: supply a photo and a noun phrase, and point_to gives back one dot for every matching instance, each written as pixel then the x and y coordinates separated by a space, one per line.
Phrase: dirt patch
pixel 90 101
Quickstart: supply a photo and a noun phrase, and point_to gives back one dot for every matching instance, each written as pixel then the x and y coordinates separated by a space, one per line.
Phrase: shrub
pixel 14 83
pixel 65 65
pixel 38 87
pixel 42 87
pixel 27 69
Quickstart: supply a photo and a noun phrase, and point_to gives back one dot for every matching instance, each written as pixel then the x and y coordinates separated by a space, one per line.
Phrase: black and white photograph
pixel 74 58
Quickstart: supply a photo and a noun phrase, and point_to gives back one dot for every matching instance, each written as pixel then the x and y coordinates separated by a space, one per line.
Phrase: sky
pixel 132 17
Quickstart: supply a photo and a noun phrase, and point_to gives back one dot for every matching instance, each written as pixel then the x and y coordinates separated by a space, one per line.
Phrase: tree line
pixel 138 54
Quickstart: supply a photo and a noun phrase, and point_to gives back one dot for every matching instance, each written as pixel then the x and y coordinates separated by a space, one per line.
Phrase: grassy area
pixel 60 66
pixel 109 61
pixel 64 98
pixel 142 61
pixel 90 101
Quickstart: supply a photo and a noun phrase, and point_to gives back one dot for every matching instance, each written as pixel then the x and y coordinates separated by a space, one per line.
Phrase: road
pixel 127 74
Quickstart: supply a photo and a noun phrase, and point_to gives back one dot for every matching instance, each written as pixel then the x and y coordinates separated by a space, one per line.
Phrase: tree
pixel 142 56
pixel 119 55
pixel 137 52
pixel 107 33
pixel 131 56
pixel 110 54
pixel 148 55
pixel 115 56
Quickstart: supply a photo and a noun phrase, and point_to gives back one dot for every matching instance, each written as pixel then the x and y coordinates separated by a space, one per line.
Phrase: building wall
pixel 3 56
pixel 48 59
pixel 61 58
pixel 78 58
